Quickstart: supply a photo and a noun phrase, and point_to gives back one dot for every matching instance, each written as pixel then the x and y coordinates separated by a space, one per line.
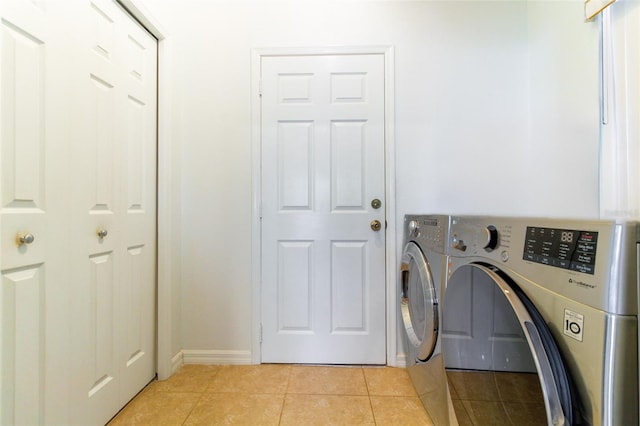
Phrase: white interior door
pixel 323 266
pixel 33 199
pixel 113 142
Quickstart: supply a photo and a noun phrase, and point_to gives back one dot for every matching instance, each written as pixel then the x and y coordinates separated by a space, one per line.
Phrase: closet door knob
pixel 102 233
pixel 26 239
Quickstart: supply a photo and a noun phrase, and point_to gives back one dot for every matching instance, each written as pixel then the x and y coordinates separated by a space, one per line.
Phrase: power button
pixel 504 256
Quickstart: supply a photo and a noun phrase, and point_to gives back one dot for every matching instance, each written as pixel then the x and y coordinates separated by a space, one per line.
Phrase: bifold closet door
pixel 113 146
pixel 78 210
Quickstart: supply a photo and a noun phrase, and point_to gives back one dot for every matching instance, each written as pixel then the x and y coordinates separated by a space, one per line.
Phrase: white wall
pixel 563 149
pixel 482 90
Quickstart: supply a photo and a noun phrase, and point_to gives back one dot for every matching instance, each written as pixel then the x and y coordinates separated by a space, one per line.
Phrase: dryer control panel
pixel 562 248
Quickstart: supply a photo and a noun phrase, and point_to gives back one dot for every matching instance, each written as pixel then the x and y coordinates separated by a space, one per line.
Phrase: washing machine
pixel 423 273
pixel 554 298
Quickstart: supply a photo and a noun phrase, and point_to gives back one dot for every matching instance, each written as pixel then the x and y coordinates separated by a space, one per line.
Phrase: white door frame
pixel 389 154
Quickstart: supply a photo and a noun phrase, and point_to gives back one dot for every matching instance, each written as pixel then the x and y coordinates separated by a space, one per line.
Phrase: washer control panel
pixel 429 231
pixel 562 248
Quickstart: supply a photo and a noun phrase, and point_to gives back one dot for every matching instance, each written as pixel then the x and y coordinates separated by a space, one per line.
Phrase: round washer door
pixel 418 302
pixel 555 382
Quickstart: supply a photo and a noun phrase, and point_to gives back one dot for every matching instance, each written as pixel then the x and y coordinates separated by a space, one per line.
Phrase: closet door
pixel 33 214
pixel 138 214
pixel 113 145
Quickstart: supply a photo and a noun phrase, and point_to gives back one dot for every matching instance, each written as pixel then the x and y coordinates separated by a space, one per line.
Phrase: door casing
pixel 389 120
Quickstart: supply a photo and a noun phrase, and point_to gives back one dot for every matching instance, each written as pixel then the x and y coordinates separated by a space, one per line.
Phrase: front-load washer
pixel 423 272
pixel 554 297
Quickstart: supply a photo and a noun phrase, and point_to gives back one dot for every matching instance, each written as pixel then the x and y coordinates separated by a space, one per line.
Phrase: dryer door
pixel 556 389
pixel 418 302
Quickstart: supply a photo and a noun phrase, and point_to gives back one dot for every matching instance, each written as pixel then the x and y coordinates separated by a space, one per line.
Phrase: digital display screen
pixel 562 248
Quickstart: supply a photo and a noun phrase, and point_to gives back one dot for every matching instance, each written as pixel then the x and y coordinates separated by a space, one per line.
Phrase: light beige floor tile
pixel 476 386
pixel 399 410
pixel 189 378
pixel 519 387
pixel 237 409
pixel 526 414
pixel 264 378
pixel 157 408
pixel 327 381
pixel 452 389
pixel 461 413
pixel 389 381
pixel 484 413
pixel 322 410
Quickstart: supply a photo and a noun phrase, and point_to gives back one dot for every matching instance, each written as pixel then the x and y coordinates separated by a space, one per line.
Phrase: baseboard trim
pixel 194 356
pixel 401 360
pixel 176 362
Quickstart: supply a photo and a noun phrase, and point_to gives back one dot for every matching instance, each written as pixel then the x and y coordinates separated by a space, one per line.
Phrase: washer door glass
pixel 418 302
pixel 491 326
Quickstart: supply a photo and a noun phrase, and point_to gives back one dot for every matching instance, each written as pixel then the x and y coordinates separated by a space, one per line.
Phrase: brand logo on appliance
pixel 581 283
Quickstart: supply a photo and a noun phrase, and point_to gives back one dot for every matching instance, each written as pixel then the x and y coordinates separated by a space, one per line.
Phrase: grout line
pixel 286 389
pixel 202 394
pixel 286 392
pixel 212 378
pixel 366 384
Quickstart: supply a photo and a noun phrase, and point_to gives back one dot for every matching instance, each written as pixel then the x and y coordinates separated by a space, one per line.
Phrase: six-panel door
pixel 323 274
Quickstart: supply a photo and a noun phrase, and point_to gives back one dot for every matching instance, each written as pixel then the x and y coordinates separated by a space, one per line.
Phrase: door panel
pixel 295 157
pixel 348 156
pixel 31 147
pixel 323 294
pixel 348 287
pixel 23 349
pixel 95 279
pixel 114 145
pixel 294 286
pixel 138 292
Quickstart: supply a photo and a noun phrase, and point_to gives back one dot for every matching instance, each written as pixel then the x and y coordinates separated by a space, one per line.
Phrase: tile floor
pixel 495 398
pixel 271 394
pixel 277 394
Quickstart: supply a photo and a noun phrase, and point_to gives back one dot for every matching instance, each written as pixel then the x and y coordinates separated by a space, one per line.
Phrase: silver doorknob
pixel 376 225
pixel 102 233
pixel 376 203
pixel 26 239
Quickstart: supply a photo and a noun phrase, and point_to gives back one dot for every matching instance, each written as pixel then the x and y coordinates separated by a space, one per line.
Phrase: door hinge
pixel 260 332
pixel 260 88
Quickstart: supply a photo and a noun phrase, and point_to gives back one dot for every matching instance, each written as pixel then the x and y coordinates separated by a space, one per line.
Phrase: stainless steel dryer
pixel 423 279
pixel 554 297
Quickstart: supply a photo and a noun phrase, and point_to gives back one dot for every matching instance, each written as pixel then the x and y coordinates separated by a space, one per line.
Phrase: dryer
pixel 555 297
pixel 423 272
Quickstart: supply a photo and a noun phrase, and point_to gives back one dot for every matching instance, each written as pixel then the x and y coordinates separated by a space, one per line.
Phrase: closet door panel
pixel 115 143
pixel 95 257
pixel 139 221
pixel 33 137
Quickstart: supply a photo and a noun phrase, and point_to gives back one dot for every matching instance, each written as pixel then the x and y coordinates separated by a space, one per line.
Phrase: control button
pixel 504 256
pixel 458 244
pixel 414 228
pixel 492 238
